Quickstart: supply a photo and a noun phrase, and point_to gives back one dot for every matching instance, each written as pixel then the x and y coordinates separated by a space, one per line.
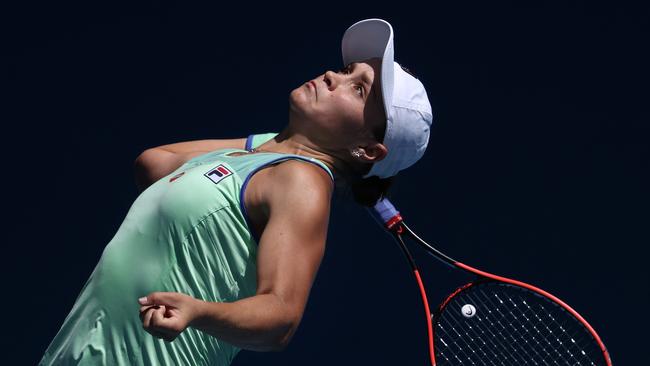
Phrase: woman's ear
pixel 370 153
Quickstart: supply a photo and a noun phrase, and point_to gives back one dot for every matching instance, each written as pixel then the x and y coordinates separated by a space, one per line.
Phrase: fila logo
pixel 219 173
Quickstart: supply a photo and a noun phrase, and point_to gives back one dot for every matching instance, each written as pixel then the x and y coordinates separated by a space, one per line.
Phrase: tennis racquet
pixel 495 320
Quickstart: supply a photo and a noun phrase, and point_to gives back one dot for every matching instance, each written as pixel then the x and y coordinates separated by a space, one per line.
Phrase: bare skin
pixel 288 205
pixel 157 162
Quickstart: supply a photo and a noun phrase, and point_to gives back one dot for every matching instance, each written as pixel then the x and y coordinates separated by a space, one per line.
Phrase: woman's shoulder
pixel 300 175
pixel 289 188
pixel 291 182
pixel 298 193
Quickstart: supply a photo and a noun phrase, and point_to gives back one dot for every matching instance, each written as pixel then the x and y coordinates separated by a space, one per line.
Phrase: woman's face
pixel 340 110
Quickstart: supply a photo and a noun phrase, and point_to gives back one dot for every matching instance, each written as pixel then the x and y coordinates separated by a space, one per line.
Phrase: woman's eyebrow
pixel 366 79
pixel 364 75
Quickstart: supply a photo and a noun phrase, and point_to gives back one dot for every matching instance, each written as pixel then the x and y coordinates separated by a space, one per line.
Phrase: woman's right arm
pixel 291 247
pixel 156 162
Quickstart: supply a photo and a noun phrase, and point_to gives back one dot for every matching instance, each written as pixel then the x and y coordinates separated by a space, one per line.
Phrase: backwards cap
pixel 408 112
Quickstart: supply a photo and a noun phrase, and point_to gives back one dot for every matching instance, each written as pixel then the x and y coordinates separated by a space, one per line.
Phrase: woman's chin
pixel 299 104
pixel 299 96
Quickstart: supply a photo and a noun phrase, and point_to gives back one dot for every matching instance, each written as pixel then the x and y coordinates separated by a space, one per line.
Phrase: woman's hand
pixel 165 315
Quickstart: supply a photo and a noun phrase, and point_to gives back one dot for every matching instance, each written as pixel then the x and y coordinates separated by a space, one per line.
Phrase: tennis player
pixel 219 251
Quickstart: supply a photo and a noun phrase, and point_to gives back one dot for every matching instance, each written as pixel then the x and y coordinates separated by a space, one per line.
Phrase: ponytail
pixel 367 191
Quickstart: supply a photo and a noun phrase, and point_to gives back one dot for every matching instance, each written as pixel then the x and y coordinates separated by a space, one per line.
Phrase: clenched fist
pixel 165 315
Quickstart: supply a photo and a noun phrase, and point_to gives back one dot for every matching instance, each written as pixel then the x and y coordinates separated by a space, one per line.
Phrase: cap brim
pixel 372 38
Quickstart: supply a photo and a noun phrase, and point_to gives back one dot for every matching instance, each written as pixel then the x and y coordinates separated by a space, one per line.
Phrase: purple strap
pixel 249 142
pixel 384 211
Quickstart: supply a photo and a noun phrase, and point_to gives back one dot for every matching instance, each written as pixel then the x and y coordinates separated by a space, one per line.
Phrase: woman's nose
pixel 331 78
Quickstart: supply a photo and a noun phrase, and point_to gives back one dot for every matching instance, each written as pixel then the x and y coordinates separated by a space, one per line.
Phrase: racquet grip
pixel 385 213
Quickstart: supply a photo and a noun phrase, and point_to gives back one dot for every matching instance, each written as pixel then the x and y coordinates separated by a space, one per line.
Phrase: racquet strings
pixel 511 326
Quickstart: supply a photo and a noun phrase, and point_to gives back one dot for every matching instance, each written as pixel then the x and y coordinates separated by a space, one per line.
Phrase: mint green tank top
pixel 188 232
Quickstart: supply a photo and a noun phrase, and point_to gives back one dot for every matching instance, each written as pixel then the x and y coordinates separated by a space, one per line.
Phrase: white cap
pixel 408 112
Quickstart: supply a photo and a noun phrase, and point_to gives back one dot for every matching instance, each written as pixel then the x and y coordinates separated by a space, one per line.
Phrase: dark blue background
pixel 537 166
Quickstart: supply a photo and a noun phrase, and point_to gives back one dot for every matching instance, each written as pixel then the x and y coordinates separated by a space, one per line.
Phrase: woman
pixel 219 251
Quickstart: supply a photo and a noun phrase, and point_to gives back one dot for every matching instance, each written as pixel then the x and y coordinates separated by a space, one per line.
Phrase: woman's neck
pixel 288 142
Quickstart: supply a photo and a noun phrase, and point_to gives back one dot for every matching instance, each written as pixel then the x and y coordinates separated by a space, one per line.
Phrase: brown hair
pixel 367 191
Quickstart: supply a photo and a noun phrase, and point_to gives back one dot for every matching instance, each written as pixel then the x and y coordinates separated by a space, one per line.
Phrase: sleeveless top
pixel 188 232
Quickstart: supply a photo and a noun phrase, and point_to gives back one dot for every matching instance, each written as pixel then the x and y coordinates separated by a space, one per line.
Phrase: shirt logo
pixel 219 173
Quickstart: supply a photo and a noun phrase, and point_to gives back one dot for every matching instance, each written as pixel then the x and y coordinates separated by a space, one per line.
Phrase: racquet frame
pixel 386 214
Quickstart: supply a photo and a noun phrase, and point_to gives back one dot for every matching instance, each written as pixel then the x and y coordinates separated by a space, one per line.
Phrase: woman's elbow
pixel 148 158
pixel 276 341
pixel 142 169
pixel 153 164
pixel 289 330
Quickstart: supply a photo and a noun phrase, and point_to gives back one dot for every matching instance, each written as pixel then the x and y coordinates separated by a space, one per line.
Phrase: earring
pixel 356 153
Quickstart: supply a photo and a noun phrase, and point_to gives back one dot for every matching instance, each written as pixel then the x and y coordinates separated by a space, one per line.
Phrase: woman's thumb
pixel 154 298
pixel 143 300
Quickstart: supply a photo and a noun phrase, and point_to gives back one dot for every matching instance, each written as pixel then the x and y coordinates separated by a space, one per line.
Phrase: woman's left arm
pixel 156 162
pixel 290 252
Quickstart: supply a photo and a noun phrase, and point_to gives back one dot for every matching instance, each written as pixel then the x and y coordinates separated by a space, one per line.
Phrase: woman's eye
pixel 359 89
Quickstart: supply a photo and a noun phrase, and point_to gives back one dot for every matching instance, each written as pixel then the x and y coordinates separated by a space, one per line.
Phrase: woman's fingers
pixel 152 322
pixel 166 298
pixel 158 317
pixel 143 308
pixel 143 311
pixel 158 324
pixel 146 318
